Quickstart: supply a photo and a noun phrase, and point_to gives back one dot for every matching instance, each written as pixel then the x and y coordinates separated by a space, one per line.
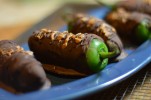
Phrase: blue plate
pixel 72 88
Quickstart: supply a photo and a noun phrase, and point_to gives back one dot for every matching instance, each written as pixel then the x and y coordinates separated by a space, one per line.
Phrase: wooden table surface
pixel 17 16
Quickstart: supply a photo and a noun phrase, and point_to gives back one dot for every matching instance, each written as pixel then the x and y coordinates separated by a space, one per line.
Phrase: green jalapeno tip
pixel 97 55
pixel 143 31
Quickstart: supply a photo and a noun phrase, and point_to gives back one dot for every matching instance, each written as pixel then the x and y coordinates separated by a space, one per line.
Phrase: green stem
pixel 113 47
pixel 107 54
pixel 97 55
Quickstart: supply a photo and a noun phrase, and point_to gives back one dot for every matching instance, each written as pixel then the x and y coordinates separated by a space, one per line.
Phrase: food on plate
pixel 88 24
pixel 84 53
pixel 133 26
pixel 143 6
pixel 19 69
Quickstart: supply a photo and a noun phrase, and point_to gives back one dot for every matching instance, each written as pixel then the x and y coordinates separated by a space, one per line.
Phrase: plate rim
pixel 100 87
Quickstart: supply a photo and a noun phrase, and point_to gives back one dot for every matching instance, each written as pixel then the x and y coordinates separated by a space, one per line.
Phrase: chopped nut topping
pixel 104 28
pixel 91 21
pixel 49 31
pixel 11 51
pixel 78 37
pixel 19 48
pixel 61 36
pixel 84 19
pixel 73 36
pixel 29 52
pixel 113 29
pixel 43 33
pixel 39 35
pixel 98 30
pixel 66 40
pixel 44 30
pixel 64 45
pixel 52 36
pixel 77 40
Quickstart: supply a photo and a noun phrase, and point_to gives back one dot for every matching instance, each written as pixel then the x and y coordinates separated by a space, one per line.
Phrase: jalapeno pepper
pixel 143 31
pixel 133 26
pixel 83 23
pixel 142 6
pixel 19 69
pixel 97 55
pixel 85 53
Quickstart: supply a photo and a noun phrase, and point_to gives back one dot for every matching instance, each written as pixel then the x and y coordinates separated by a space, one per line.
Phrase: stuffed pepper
pixel 87 24
pixel 19 69
pixel 85 53
pixel 142 6
pixel 133 26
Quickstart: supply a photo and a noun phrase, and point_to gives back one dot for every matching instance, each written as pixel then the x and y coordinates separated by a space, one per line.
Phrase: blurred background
pixel 16 16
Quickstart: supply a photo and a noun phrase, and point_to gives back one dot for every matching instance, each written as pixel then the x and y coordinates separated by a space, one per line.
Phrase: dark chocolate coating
pixel 19 69
pixel 84 23
pixel 72 56
pixel 126 22
pixel 23 72
pixel 6 48
pixel 143 6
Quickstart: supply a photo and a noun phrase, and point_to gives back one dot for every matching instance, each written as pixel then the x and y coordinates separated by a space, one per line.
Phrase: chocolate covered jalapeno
pixel 133 26
pixel 85 53
pixel 82 23
pixel 19 69
pixel 143 6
